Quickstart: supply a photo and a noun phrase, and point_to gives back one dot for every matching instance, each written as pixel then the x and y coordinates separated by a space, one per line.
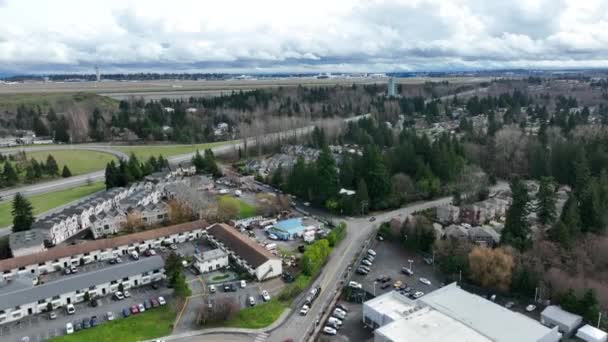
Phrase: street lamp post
pixel 375 282
pixel 411 264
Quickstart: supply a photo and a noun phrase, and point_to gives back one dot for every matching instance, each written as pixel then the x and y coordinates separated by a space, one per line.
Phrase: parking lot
pixel 41 328
pixel 390 258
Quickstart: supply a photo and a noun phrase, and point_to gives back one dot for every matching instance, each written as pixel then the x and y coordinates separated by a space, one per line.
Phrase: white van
pixel 271 246
pixel 212 288
pixel 134 255
pixel 70 309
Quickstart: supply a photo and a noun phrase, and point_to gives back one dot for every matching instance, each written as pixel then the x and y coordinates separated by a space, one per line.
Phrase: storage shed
pixel 565 321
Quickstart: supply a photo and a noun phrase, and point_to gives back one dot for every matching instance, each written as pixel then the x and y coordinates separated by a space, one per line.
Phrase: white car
pixel 304 310
pixel 243 284
pixel 342 312
pixel 530 307
pixel 70 309
pixel 366 262
pixel 119 296
pixel 329 330
pixel 251 301
pixel 69 328
pixel 110 316
pixel 371 252
pixel 425 281
pixel 212 289
pixel 265 295
pixel 127 294
pixel 334 321
pixel 418 294
pixel 161 300
pixel 354 285
pixel 339 314
pixel 141 307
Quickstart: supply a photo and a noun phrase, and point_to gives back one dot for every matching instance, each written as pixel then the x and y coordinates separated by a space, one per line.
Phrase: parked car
pixel 67 271
pixel 354 285
pixel 342 312
pixel 530 307
pixel 70 309
pixel 69 328
pixel 154 303
pixel 77 326
pixel 339 314
pixel 342 307
pixel 118 260
pixel 251 301
pixel 52 315
pixel 407 271
pixel 94 321
pixel 212 289
pixel 155 286
pixel 112 261
pixel 397 284
pixel 371 252
pixel 385 285
pixel 73 269
pixel 149 252
pixel 509 305
pixel 366 262
pixel 372 219
pixel 428 261
pixel 161 300
pixel 361 271
pixel 304 310
pixel 86 324
pixel 94 303
pixel 243 284
pixel 417 294
pixel 369 257
pixel 147 304
pixel 110 316
pixel 119 296
pixel 265 295
pixel 127 294
pixel 134 309
pixel 329 330
pixel 141 307
pixel 173 247
pixel 425 281
pixel 126 312
pixel 335 322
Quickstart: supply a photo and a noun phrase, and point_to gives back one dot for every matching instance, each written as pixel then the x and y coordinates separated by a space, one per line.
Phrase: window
pixel 21 268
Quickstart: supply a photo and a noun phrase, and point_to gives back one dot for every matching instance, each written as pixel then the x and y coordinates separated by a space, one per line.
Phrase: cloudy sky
pixel 300 36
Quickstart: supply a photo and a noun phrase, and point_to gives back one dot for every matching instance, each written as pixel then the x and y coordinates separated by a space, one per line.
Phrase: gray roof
pixel 14 294
pixel 558 315
pixel 213 254
pixel 489 319
pixel 30 238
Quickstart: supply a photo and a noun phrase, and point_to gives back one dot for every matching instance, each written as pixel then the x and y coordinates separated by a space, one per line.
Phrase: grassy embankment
pixel 150 324
pixel 44 202
pixel 143 152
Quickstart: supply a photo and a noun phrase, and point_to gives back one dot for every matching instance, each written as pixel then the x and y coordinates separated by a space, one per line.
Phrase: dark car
pixel 155 286
pixel 385 285
pixel 126 312
pixel 233 287
pixel 147 304
pixel 86 324
pixel 112 261
pixel 94 321
pixel 154 303
pixel 94 303
pixel 287 277
pixel 77 326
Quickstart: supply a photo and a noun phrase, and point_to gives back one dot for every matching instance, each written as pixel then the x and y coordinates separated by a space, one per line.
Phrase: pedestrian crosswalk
pixel 261 337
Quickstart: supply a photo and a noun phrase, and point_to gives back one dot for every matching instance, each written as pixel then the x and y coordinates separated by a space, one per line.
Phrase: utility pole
pixel 599 319
pixel 411 265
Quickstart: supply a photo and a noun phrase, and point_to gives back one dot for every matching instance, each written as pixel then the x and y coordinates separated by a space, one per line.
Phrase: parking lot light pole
pixel 411 264
pixel 375 282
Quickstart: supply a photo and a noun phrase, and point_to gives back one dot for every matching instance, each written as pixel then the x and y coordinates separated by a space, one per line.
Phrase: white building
pixel 20 298
pixel 246 252
pixel 554 316
pixel 450 314
pixel 210 261
pixel 591 334
pixel 60 257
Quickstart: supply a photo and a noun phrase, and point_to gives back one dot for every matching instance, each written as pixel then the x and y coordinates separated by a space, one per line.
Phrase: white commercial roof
pixel 557 314
pixel 428 325
pixel 392 304
pixel 489 319
pixel 591 334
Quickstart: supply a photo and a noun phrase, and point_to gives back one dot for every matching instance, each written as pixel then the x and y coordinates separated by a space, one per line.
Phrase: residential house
pixel 210 261
pixel 448 213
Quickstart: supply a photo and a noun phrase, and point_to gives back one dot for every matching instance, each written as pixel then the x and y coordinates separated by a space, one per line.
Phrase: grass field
pixel 60 102
pixel 79 162
pixel 147 325
pixel 144 152
pixel 245 209
pixel 44 202
pixel 259 316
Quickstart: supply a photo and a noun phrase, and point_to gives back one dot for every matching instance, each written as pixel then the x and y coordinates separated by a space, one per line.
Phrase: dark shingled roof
pixel 247 249
pixel 90 246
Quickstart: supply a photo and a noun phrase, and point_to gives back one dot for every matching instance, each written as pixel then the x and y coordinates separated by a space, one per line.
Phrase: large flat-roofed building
pixel 20 298
pixel 210 261
pixel 27 242
pixel 450 314
pixel 554 316
pixel 246 252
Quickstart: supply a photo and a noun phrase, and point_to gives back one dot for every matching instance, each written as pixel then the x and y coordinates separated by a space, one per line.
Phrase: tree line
pixel 132 170
pixel 17 169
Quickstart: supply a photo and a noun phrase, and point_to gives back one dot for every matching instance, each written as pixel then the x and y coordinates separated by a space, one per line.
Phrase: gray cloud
pixel 375 36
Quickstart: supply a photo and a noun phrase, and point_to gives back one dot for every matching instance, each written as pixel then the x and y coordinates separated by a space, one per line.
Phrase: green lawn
pixel 259 316
pixel 79 162
pixel 144 152
pixel 44 202
pixel 245 209
pixel 147 325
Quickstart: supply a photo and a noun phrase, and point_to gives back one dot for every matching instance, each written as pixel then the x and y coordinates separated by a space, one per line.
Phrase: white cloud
pixel 315 35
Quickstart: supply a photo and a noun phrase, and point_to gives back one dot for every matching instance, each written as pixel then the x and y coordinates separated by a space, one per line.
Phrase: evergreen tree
pixel 37 167
pixel 51 167
pixel 347 173
pixel 199 163
pixel 517 229
pixel 9 175
pixel 211 163
pixel 326 177
pixel 65 173
pixel 546 201
pixel 277 177
pixel 571 216
pixel 134 172
pixel 362 197
pixel 30 174
pixel 23 216
pixel 111 175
